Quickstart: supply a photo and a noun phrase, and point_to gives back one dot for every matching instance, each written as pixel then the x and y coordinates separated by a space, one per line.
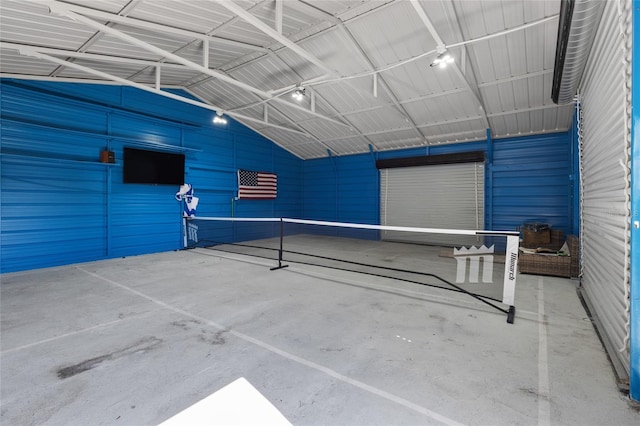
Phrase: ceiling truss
pixel 338 96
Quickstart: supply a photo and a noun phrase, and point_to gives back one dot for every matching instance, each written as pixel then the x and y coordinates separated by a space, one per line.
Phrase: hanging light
pixel 443 59
pixel 299 94
pixel 219 118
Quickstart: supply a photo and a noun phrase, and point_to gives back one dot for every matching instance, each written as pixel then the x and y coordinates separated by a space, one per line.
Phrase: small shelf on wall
pixel 40 159
pixel 136 143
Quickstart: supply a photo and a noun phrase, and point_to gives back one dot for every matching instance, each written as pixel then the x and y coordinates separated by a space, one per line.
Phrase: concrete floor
pixel 134 341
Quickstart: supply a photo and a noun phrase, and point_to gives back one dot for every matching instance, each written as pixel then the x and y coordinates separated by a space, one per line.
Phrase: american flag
pixel 257 185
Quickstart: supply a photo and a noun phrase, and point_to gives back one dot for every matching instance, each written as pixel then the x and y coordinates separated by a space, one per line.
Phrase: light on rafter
pixel 219 118
pixel 299 94
pixel 443 59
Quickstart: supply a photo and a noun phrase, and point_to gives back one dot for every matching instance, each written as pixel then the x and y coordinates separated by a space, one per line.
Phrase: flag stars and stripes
pixel 257 185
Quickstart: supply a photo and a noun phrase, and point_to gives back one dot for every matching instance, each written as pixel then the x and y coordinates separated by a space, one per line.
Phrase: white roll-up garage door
pixel 449 196
pixel 604 140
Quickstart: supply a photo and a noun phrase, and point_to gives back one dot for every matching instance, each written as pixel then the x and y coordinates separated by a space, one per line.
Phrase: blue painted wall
pixel 527 178
pixel 532 181
pixel 61 205
pixel 342 189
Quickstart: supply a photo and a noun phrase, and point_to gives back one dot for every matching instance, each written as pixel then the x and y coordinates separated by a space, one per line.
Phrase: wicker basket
pixel 558 266
pixel 574 249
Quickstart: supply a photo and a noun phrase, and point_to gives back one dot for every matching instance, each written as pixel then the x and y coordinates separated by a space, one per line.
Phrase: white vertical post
pixel 375 85
pixel 510 270
pixel 205 53
pixel 184 232
pixel 279 14
pixel 158 77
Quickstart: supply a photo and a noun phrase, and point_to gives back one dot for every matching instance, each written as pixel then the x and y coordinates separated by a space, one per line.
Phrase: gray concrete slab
pixel 134 341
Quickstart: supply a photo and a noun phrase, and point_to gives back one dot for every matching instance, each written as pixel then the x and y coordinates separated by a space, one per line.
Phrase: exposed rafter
pixel 353 58
pixel 249 18
pixel 91 41
pixel 137 23
pixel 64 11
pixel 441 45
pixel 34 53
pixel 94 56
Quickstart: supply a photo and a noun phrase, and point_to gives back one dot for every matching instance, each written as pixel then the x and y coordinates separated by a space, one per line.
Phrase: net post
pixel 280 265
pixel 510 275
pixel 184 232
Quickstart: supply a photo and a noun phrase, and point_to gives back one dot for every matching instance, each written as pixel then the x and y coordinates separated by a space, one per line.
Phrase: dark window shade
pixel 430 160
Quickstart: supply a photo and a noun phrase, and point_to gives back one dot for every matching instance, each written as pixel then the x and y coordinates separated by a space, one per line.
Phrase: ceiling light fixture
pixel 443 59
pixel 219 119
pixel 299 94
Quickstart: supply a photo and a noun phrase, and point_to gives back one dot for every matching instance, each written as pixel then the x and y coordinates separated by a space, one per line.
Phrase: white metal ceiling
pixel 365 65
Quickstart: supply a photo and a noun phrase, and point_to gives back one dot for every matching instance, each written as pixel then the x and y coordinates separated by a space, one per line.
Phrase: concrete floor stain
pixel 72 370
pixel 141 345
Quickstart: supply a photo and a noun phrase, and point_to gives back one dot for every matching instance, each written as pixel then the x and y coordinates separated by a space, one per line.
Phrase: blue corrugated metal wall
pixel 343 189
pixel 527 178
pixel 532 181
pixel 61 205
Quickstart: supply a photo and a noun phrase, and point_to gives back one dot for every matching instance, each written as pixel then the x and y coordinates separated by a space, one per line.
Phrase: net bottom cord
pixel 484 299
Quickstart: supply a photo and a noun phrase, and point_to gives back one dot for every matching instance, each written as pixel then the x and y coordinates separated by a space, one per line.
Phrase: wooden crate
pixel 535 239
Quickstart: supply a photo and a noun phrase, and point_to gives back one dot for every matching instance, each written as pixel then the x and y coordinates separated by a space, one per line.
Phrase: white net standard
pixel 484 270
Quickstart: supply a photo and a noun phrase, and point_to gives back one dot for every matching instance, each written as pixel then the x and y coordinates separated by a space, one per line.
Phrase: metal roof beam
pixel 322 80
pixel 34 53
pixel 532 109
pixel 422 126
pixel 279 15
pixel 92 56
pixel 440 45
pixel 378 77
pixel 407 101
pixel 251 19
pixel 64 11
pixel 97 35
pixel 205 43
pixel 137 23
pixel 67 12
pixel 369 65
pixel 515 78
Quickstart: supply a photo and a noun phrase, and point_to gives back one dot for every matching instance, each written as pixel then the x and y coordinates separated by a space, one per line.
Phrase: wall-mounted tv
pixel 157 167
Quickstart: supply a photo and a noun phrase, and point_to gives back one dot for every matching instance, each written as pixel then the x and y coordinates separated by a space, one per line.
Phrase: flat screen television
pixel 156 167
